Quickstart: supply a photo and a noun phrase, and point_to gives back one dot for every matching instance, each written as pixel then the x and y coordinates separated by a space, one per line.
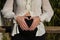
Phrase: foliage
pixel 56 18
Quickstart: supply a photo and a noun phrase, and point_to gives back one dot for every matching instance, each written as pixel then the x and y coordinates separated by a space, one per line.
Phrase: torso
pixel 35 7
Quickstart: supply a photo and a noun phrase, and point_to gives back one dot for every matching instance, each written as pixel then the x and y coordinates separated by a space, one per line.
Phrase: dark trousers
pixel 28 35
pixel 18 37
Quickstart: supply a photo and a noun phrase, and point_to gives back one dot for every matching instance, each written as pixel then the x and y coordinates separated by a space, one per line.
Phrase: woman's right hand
pixel 21 21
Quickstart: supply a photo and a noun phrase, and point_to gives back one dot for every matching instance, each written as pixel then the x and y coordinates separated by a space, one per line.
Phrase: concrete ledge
pixel 2 29
pixel 49 29
pixel 53 29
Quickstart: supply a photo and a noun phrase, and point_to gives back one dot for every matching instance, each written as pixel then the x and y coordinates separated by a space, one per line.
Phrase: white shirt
pixel 34 8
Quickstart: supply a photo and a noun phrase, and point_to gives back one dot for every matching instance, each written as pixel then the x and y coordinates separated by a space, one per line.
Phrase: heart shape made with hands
pixel 29 22
pixel 30 33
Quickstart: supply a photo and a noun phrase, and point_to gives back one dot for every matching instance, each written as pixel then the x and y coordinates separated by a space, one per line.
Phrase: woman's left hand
pixel 36 21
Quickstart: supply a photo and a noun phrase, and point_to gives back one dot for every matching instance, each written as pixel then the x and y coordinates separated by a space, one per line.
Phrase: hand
pixel 36 21
pixel 27 13
pixel 21 21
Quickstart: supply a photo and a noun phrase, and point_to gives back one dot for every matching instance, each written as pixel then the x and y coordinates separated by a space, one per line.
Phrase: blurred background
pixel 53 23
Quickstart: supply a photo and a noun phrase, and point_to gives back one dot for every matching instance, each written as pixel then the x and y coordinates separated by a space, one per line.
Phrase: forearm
pixel 7 10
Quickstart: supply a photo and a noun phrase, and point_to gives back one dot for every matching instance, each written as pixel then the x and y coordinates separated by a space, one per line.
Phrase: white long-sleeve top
pixel 34 6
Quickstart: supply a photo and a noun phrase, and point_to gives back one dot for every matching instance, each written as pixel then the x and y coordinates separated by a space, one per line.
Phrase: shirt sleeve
pixel 47 11
pixel 7 10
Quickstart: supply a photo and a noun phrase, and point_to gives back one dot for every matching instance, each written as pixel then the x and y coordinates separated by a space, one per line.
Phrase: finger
pixel 26 18
pixel 25 26
pixel 31 29
pixel 33 26
pixel 22 25
pixel 31 18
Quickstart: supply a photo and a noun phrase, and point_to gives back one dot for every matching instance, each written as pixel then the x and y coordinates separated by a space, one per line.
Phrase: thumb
pixel 26 18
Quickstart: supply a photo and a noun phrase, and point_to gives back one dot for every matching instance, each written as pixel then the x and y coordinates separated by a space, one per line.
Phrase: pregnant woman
pixel 29 16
